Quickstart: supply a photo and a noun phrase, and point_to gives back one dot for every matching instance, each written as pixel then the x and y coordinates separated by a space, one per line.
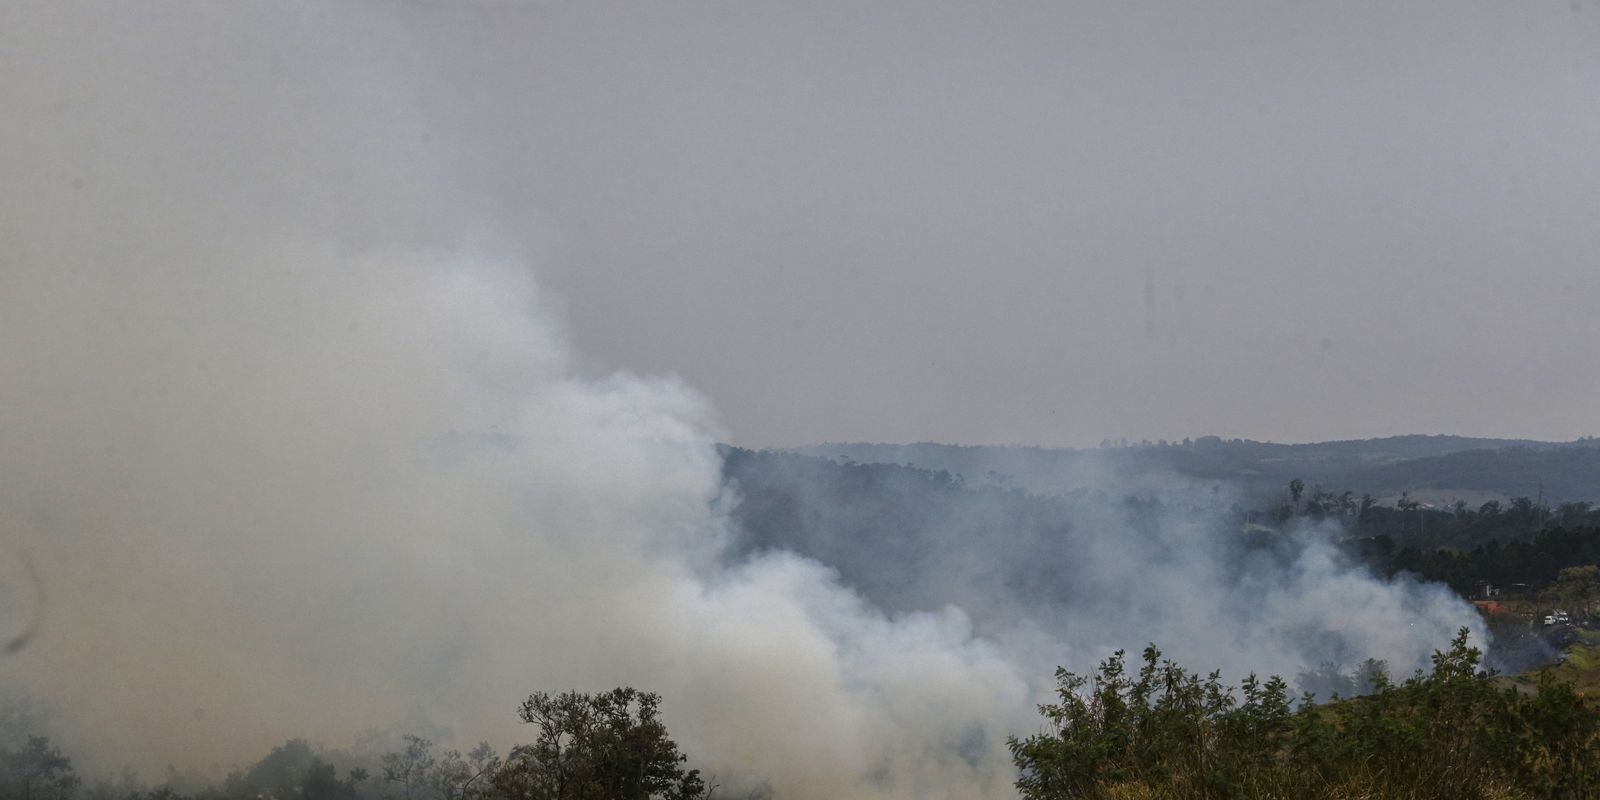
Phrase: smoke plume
pixel 296 447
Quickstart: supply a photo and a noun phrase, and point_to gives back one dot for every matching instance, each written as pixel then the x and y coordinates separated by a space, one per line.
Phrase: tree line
pixel 605 746
pixel 1531 564
pixel 1122 733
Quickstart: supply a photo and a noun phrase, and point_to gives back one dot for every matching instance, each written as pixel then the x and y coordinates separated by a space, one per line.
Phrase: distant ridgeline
pixel 1431 468
pixel 881 526
pixel 877 511
pixel 910 538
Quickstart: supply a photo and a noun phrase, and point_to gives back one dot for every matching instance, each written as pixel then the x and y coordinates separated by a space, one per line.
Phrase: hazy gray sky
pixel 1042 223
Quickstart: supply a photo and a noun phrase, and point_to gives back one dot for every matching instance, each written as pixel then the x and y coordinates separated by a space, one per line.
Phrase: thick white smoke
pixel 323 489
pixel 292 458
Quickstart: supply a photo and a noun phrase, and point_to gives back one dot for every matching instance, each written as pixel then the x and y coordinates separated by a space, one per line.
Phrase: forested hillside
pixel 1438 465
pixel 914 539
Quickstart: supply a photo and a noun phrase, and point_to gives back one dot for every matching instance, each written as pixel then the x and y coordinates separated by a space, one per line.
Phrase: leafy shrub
pixel 1448 733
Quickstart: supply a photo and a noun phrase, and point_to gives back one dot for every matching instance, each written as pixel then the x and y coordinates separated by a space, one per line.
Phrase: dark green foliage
pixel 607 746
pixel 1381 467
pixel 1537 561
pixel 36 770
pixel 1462 528
pixel 322 783
pixel 1164 727
pixel 292 770
pixel 279 774
pixel 1448 733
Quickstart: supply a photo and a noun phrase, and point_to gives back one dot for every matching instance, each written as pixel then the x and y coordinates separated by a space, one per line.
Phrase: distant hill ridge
pixel 1437 467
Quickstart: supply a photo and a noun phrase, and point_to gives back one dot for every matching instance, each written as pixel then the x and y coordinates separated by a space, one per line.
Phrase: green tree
pixel 1577 588
pixel 1448 733
pixel 293 771
pixel 606 746
pixel 36 771
pixel 322 783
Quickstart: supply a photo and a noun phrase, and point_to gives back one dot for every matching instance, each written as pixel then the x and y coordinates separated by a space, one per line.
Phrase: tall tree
pixel 607 746
pixel 36 771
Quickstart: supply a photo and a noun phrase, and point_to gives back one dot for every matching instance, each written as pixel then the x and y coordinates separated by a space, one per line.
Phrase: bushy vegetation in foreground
pixel 1453 733
pixel 606 746
pixel 1148 732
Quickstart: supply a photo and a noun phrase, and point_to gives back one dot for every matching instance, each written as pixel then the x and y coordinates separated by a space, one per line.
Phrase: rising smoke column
pixel 261 521
pixel 296 452
pixel 295 458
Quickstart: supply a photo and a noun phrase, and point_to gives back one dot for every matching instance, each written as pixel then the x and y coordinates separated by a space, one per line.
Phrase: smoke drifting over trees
pixel 1088 573
pixel 298 448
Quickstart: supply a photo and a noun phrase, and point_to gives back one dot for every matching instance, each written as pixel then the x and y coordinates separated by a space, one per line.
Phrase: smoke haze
pixel 297 447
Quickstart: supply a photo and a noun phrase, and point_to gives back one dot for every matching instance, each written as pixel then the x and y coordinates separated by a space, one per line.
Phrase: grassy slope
pixel 1580 666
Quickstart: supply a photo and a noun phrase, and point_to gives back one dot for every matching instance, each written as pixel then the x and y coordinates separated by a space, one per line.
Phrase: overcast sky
pixel 1041 223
